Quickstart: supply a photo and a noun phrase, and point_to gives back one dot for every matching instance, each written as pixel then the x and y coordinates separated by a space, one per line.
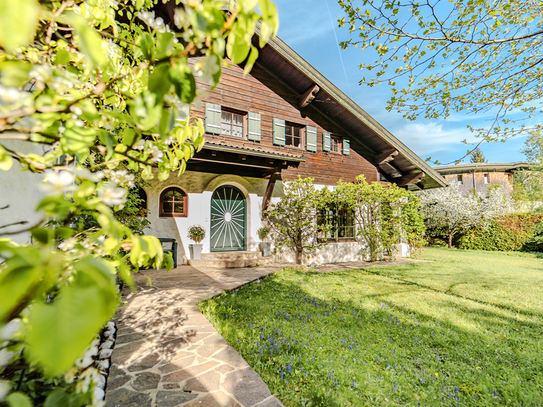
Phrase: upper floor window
pixel 173 203
pixel 232 123
pixel 459 179
pixel 336 144
pixel 487 178
pixel 293 135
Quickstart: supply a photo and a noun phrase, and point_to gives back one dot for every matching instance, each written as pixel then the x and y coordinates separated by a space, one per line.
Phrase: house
pixel 282 121
pixel 480 176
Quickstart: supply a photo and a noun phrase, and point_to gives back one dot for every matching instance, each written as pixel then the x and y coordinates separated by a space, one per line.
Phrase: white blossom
pixel 67 244
pixel 58 182
pixel 156 154
pixel 13 98
pixel 140 145
pixel 112 195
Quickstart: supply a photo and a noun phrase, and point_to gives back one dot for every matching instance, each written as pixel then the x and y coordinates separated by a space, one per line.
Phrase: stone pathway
pixel 167 354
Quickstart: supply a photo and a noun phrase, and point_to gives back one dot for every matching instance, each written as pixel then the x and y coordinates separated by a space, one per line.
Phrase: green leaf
pixel 5 160
pixel 14 73
pixel 237 48
pixel 184 82
pixel 18 22
pixel 147 46
pixel 159 82
pixel 61 331
pixel 253 56
pixel 90 42
pixel 62 58
pixel 19 400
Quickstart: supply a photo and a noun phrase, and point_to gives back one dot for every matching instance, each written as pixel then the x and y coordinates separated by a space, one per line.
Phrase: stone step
pixel 230 263
pixel 232 256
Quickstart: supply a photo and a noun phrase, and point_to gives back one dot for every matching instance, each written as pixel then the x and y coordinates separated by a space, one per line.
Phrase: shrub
pixel 506 233
pixel 263 233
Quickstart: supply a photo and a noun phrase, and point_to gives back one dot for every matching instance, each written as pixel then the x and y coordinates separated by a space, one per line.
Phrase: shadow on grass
pixel 356 338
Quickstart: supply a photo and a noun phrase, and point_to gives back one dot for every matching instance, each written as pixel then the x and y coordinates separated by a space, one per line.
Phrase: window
pixel 342 222
pixel 336 144
pixel 173 203
pixel 459 179
pixel 231 124
pixel 293 135
pixel 510 177
pixel 486 178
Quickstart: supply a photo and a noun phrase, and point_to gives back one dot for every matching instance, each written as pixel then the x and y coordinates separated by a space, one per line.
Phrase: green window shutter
pixel 326 141
pixel 346 146
pixel 311 139
pixel 254 128
pixel 213 118
pixel 278 132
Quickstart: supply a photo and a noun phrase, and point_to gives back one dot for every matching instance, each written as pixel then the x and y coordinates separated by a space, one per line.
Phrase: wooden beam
pixel 410 179
pixel 386 156
pixel 390 170
pixel 308 96
pixel 269 192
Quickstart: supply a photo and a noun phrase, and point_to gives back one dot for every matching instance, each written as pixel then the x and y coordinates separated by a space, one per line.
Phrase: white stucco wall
pixel 20 191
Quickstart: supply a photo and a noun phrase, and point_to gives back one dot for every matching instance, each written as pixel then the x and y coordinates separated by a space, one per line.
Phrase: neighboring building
pixel 282 121
pixel 479 176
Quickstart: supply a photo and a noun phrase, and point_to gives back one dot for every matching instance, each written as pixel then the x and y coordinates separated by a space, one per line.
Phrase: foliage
pixel 358 337
pixel 475 56
pixel 377 210
pixel 534 243
pixel 197 233
pixel 89 79
pixel 293 218
pixel 263 232
pixel 448 212
pixel 413 225
pixel 477 156
pixel 512 232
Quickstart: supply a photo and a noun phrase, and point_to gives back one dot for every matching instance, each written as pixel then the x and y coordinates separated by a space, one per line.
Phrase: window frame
pixel 302 135
pixel 459 179
pixel 173 214
pixel 486 177
pixel 244 127
pixel 334 215
pixel 339 145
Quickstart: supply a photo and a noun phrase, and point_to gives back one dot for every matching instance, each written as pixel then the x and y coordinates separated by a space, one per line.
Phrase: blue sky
pixel 310 28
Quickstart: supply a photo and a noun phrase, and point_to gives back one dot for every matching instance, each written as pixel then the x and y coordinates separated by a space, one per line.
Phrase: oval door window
pixel 228 219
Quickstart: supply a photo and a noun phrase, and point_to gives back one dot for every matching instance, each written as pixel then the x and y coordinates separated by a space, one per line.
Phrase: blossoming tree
pixel 105 87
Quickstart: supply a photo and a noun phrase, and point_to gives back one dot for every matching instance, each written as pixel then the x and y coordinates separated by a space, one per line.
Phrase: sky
pixel 310 28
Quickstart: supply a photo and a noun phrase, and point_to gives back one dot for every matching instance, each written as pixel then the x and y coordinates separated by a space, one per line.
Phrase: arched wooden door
pixel 228 219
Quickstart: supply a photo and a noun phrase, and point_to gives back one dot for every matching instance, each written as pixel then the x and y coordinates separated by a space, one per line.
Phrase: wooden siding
pixel 248 94
pixel 468 182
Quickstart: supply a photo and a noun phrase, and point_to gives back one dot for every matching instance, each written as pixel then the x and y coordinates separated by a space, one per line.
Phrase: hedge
pixel 513 232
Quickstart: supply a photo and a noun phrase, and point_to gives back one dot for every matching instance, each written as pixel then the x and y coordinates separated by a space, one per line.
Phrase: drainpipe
pixel 474 189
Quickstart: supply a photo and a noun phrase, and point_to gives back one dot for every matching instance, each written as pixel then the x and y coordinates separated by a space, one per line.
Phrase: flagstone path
pixel 167 354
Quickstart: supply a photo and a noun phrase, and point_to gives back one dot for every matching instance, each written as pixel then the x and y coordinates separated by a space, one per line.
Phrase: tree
pixel 477 156
pixel 377 209
pixel 448 212
pixel 472 56
pixel 293 218
pixel 105 87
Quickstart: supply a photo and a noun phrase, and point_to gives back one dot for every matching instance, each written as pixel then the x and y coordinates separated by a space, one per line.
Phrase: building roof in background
pixel 481 167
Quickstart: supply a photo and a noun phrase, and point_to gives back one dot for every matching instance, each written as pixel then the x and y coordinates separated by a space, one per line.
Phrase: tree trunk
pixel 450 240
pixel 299 256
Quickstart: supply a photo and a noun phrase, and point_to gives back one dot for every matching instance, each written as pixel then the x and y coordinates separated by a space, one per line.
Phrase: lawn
pixel 464 328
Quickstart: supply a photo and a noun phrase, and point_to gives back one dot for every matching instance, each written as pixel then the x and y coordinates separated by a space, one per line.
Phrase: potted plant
pixel 265 246
pixel 196 234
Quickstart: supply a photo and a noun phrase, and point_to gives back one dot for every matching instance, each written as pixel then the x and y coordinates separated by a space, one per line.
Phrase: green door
pixel 228 213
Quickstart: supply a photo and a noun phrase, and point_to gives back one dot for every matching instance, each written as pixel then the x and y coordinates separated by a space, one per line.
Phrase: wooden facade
pixel 242 95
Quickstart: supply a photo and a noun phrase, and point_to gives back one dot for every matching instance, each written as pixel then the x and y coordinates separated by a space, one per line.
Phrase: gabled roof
pixel 482 167
pixel 286 73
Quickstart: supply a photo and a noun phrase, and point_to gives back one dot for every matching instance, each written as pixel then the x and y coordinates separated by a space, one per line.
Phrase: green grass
pixel 465 328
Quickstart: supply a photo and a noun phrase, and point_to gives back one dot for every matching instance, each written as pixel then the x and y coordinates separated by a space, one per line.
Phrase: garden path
pixel 167 354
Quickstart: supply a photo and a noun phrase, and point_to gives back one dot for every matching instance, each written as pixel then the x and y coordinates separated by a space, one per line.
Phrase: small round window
pixel 173 203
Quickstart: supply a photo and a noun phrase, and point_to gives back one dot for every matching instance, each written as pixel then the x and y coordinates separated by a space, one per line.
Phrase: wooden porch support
pixel 269 191
pixel 390 170
pixel 410 179
pixel 308 96
pixel 386 157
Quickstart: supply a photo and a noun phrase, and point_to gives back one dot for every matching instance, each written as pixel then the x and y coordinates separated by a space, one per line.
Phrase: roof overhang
pixel 285 72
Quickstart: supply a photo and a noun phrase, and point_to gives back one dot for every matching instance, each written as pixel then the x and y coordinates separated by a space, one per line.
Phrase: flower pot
pixel 195 251
pixel 265 248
